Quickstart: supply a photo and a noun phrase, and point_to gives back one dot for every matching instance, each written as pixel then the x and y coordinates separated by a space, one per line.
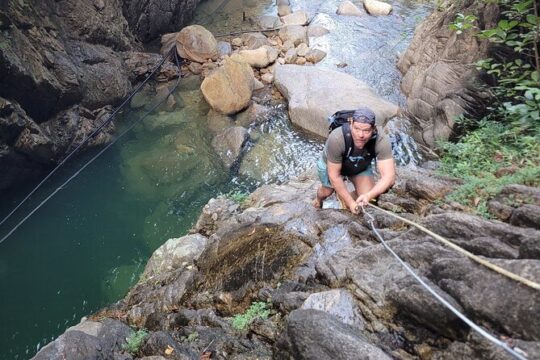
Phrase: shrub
pixel 256 310
pixel 134 341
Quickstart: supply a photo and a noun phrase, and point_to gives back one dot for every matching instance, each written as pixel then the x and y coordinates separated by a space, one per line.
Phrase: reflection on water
pixel 87 245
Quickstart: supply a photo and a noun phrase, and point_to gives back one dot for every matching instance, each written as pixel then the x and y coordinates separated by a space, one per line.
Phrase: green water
pixel 86 246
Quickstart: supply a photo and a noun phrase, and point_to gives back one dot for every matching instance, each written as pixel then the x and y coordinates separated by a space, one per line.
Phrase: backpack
pixel 338 119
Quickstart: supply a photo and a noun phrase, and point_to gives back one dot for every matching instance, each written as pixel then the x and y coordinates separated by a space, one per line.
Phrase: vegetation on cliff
pixel 502 147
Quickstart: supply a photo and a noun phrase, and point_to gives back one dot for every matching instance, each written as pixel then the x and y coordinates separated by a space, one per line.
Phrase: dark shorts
pixel 323 173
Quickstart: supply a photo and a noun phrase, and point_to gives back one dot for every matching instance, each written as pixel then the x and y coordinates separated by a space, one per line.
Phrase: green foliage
pixel 462 23
pixel 134 341
pixel 257 309
pixel 508 137
pixel 238 196
pixel 194 336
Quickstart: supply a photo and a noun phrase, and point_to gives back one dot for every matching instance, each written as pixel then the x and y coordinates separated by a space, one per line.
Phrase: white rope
pixel 469 322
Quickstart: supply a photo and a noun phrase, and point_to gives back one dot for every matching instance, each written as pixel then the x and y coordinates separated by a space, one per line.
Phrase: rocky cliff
pixel 439 77
pixel 62 63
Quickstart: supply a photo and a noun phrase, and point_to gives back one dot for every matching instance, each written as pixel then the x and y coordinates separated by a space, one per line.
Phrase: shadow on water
pixel 87 245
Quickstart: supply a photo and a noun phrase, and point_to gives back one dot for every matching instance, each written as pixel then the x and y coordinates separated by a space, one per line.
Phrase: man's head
pixel 362 126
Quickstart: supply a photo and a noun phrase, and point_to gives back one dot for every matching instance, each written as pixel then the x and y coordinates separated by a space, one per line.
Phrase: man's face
pixel 361 133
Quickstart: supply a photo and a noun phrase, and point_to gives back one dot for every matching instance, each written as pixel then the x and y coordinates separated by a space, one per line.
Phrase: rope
pixel 478 259
pixel 468 321
pixel 89 137
pixel 95 157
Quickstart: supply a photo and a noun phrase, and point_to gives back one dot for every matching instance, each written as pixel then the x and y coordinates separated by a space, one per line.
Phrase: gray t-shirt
pixel 334 149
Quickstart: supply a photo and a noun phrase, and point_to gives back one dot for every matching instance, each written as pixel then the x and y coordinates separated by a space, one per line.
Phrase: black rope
pixel 89 137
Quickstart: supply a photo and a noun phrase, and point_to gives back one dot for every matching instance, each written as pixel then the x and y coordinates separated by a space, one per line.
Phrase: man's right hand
pixel 353 207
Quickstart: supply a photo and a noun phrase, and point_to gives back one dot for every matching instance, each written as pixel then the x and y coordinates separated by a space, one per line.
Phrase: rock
pixel 283 2
pixel 287 45
pixel 195 43
pixel 268 22
pixel 224 48
pixel 257 85
pixel 315 55
pixel 229 144
pixel 218 121
pixel 296 18
pixel 311 112
pixel 149 19
pixel 478 289
pixel 254 114
pixel 195 68
pixel 259 58
pixel 300 61
pixel 290 56
pixel 265 328
pixel 529 249
pixel 439 78
pixel 33 141
pixel 214 214
pixel 302 49
pixel 254 41
pixel 337 302
pixel 313 334
pixel 175 253
pixel 349 9
pixel 284 10
pixel 237 42
pixel 295 33
pixel 375 7
pixel 526 216
pixel 267 78
pixel 168 41
pixel 229 88
pixel 158 341
pixel 316 31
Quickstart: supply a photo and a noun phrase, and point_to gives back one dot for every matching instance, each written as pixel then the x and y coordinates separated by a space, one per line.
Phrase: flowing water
pixel 89 243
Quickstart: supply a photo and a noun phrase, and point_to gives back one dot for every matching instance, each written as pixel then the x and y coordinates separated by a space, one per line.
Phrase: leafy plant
pixel 134 341
pixel 238 196
pixel 257 309
pixel 462 23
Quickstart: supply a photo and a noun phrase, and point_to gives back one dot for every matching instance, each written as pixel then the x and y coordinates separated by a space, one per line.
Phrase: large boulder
pixel 259 58
pixel 307 89
pixel 313 334
pixel 375 7
pixel 197 44
pixel 228 89
pixel 229 144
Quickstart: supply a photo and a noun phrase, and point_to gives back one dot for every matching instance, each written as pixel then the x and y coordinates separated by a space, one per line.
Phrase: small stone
pixel 281 60
pixel 214 216
pixel 290 56
pixel 267 78
pixel 302 49
pixel 237 42
pixel 99 5
pixel 300 61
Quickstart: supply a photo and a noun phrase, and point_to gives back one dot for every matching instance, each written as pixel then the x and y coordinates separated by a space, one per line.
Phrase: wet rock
pixel 217 122
pixel 254 114
pixel 313 334
pixel 254 41
pixel 349 9
pixel 316 31
pixel 175 253
pixel 295 33
pixel 259 58
pixel 338 303
pixel 299 17
pixel 315 55
pixel 269 22
pixel 478 290
pixel 375 7
pixel 196 43
pixel 229 88
pixel 311 112
pixel 229 144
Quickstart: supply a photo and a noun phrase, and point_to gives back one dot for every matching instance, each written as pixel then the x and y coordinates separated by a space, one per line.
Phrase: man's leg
pixel 363 182
pixel 325 190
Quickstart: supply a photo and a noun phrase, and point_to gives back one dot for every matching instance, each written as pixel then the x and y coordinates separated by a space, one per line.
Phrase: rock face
pixel 149 19
pixel 438 76
pixel 330 289
pixel 307 90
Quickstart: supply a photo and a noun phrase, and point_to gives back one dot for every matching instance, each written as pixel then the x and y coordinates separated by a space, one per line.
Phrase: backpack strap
pixel 347 136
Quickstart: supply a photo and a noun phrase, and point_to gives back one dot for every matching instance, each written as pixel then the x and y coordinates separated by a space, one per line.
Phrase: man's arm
pixel 387 169
pixel 334 174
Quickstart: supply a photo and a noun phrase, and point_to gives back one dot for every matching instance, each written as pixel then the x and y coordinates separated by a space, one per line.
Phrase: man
pixel 367 144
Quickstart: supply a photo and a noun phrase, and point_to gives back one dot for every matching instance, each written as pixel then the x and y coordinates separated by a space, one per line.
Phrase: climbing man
pixel 348 152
